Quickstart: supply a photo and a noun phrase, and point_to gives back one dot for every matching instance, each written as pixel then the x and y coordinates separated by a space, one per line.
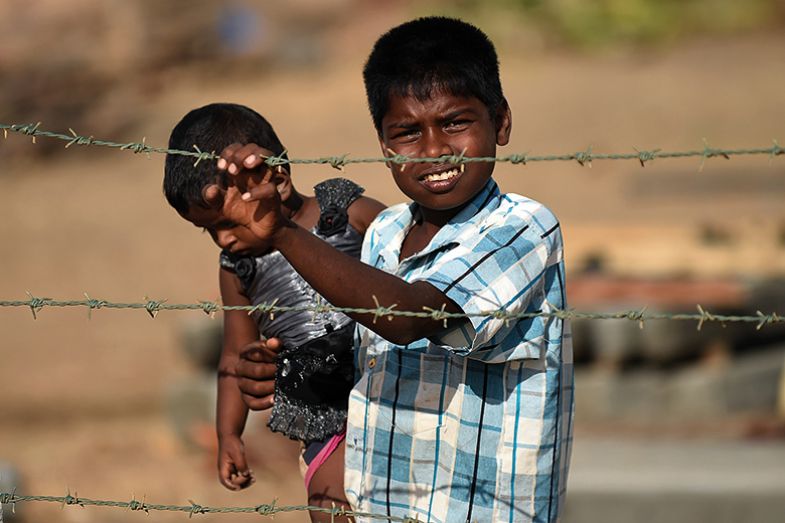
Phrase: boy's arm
pixel 231 411
pixel 362 212
pixel 344 281
pixel 239 331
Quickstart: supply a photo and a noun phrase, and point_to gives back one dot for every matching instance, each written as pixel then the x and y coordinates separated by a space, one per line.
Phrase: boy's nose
pixel 225 239
pixel 435 144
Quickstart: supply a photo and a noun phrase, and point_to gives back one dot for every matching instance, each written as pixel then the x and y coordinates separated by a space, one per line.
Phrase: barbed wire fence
pixel 264 509
pixel 153 307
pixel 584 158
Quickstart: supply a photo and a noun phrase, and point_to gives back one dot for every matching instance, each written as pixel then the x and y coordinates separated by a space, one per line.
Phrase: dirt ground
pixel 82 400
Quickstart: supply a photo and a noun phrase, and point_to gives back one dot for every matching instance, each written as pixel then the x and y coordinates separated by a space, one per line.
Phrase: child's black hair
pixel 211 128
pixel 432 54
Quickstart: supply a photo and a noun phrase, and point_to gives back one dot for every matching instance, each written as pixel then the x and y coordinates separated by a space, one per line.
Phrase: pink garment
pixel 323 455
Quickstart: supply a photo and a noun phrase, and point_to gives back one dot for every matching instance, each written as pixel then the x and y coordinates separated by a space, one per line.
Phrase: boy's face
pixel 227 234
pixel 211 213
pixel 445 124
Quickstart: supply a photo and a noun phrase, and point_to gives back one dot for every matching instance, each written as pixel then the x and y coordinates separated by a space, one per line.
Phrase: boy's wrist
pixel 229 434
pixel 282 234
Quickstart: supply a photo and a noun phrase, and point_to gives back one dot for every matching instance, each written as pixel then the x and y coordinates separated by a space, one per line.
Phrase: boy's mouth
pixel 441 181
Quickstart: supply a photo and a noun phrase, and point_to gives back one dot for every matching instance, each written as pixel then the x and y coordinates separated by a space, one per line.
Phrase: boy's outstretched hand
pixel 251 198
pixel 256 373
pixel 233 469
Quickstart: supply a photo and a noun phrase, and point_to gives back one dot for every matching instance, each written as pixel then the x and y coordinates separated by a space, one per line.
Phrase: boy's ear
pixel 503 124
pixel 386 151
pixel 279 176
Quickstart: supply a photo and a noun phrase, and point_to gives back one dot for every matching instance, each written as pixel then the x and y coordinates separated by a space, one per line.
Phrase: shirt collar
pixel 483 203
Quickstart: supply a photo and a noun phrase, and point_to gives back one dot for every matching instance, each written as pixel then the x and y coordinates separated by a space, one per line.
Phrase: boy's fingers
pixel 255 346
pixel 211 194
pixel 273 344
pixel 225 473
pixel 262 191
pixel 255 387
pixel 250 156
pixel 241 465
pixel 225 161
pixel 261 355
pixel 250 350
pixel 255 370
pixel 254 403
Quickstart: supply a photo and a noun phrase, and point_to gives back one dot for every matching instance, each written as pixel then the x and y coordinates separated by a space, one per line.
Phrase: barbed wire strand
pixel 153 307
pixel 264 509
pixel 584 158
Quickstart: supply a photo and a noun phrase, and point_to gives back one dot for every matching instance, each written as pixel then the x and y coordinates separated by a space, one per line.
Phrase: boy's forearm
pixel 347 282
pixel 231 411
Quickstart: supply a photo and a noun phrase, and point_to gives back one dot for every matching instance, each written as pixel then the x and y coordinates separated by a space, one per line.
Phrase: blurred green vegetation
pixel 595 23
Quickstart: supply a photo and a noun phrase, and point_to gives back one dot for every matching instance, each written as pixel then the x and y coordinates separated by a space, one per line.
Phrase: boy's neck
pixel 433 219
pixel 292 205
pixel 427 223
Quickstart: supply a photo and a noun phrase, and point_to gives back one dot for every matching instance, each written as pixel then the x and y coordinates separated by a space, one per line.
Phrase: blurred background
pixel 672 424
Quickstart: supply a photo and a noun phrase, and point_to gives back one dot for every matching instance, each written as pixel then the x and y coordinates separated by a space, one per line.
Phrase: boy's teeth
pixel 441 176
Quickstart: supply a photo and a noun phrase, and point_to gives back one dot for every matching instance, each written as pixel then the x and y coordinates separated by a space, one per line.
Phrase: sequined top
pixel 315 367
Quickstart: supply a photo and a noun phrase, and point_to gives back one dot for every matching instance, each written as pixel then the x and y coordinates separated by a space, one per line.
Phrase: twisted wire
pixel 153 307
pixel 264 509
pixel 583 158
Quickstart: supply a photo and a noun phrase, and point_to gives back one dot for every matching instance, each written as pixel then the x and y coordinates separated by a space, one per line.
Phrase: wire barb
pixel 383 311
pixel 153 307
pixel 584 157
pixel 646 156
pixel 202 155
pixel 439 314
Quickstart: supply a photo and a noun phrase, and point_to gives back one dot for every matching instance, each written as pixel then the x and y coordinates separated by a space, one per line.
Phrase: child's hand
pixel 251 200
pixel 233 470
pixel 238 157
pixel 256 373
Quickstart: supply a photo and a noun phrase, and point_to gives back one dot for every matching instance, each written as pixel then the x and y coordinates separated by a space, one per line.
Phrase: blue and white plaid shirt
pixel 475 425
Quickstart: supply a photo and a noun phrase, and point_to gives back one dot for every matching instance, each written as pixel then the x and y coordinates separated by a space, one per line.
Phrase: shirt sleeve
pixel 508 266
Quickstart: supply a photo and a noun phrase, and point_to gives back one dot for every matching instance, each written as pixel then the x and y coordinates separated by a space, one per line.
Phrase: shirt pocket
pixel 408 390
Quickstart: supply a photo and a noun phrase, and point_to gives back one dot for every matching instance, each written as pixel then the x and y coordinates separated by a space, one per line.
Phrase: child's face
pixel 227 234
pixel 445 124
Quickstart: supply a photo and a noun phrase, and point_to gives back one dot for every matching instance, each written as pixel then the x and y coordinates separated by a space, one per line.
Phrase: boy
pixel 468 421
pixel 315 370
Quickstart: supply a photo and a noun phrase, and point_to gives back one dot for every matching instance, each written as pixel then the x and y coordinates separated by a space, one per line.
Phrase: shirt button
pixel 372 363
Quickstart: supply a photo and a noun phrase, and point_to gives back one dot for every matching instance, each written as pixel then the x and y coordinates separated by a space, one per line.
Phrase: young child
pixel 315 370
pixel 468 420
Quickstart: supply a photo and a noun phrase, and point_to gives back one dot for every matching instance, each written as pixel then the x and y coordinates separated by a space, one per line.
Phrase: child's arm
pixel 362 212
pixel 344 281
pixel 231 413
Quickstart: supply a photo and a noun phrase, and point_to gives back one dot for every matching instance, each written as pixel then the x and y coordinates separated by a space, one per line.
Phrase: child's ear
pixel 503 124
pixel 278 176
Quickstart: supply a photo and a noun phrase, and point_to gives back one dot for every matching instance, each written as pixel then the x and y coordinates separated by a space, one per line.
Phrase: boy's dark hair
pixel 432 54
pixel 211 128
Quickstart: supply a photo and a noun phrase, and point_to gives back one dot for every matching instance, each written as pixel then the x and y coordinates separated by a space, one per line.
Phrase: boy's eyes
pixel 457 125
pixel 452 126
pixel 407 133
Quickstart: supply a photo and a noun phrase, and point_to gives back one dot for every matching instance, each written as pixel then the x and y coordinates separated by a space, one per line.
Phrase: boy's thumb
pixel 274 344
